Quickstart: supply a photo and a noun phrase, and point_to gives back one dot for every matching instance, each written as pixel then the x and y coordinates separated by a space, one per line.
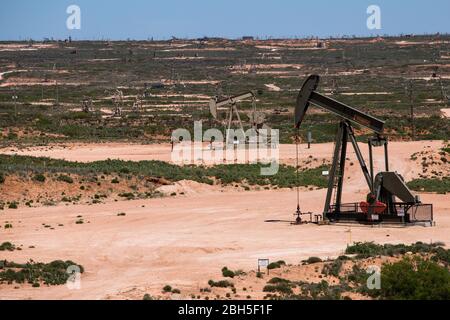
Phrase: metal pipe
pixel 371 164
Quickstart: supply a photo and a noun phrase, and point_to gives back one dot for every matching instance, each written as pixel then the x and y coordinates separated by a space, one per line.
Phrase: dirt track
pixel 186 240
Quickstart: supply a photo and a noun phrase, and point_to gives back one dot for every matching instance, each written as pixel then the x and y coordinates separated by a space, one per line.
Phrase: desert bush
pixel 39 178
pixel 431 185
pixel 53 273
pixel 414 279
pixel 227 273
pixel 371 249
pixel 128 195
pixel 282 287
pixel 227 174
pixel 65 178
pixel 277 280
pixel 276 265
pixel 13 205
pixel 320 291
pixel 2 178
pixel 220 284
pixel 167 288
pixel 7 246
pixel 332 268
pixel 312 260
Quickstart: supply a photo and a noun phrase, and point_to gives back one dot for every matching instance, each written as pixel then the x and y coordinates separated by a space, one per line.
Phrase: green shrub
pixel 53 273
pixel 124 170
pixel 167 288
pixel 320 291
pixel 332 268
pixel 65 178
pixel 227 174
pixel 147 297
pixel 13 205
pixel 39 178
pixel 7 246
pixel 227 273
pixel 370 249
pixel 284 288
pixel 220 284
pixel 176 291
pixel 277 280
pixel 312 260
pixel 128 195
pixel 276 265
pixel 414 279
pixel 430 185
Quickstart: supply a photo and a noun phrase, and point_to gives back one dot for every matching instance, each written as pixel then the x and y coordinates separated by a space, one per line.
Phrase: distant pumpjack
pixel 137 105
pixel 118 102
pixel 257 118
pixel 87 105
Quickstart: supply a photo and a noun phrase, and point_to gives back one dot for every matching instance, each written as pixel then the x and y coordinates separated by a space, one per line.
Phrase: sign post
pixel 263 263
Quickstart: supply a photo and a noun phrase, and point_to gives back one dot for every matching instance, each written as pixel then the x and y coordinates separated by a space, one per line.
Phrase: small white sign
pixel 325 173
pixel 401 212
pixel 375 217
pixel 263 263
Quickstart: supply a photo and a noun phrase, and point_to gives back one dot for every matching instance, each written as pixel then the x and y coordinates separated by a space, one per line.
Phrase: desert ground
pixel 184 241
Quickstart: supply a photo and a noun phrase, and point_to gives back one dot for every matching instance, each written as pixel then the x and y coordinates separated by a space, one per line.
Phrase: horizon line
pixel 240 38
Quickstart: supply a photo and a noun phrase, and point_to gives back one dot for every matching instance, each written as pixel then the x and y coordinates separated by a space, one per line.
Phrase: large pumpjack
pixel 389 199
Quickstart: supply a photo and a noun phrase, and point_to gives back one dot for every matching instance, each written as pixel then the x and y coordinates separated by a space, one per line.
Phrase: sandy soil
pixel 446 112
pixel 185 240
pixel 273 87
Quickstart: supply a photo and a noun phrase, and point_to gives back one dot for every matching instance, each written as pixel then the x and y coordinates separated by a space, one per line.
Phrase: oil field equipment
pixel 86 105
pixel 137 104
pixel 257 118
pixel 389 199
pixel 118 103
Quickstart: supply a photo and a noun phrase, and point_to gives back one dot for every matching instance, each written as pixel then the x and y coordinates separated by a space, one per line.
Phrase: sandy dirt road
pixel 184 241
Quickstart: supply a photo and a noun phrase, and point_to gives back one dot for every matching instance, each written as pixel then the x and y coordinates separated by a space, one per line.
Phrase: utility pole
pixel 445 97
pixel 410 93
pixel 309 138
pixel 57 93
pixel 14 98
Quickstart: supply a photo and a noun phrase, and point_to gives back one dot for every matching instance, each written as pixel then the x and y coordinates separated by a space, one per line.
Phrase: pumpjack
pixel 389 198
pixel 257 118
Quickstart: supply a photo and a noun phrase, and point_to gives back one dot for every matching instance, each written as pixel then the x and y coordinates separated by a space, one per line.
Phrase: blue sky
pixel 140 19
